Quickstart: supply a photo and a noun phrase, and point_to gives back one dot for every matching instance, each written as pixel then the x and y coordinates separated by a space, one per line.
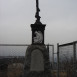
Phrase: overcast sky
pixel 60 17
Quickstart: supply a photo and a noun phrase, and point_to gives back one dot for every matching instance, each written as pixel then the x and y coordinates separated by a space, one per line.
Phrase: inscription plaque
pixel 37 61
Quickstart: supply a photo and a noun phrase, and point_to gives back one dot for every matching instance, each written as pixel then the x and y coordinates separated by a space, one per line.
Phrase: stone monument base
pixel 37 62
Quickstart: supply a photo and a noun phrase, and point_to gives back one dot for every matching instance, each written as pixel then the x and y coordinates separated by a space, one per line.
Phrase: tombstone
pixel 37 62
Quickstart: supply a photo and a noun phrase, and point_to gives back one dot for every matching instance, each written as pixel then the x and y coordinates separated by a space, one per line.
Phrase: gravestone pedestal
pixel 37 62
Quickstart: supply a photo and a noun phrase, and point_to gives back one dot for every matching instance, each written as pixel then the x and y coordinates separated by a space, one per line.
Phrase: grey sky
pixel 60 16
pixel 17 15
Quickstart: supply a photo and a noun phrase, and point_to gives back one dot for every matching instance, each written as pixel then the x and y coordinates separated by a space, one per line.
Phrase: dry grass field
pixel 62 74
pixel 15 70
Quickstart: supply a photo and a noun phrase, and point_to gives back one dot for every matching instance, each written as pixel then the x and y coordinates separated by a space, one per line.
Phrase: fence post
pixel 48 47
pixel 74 59
pixel 58 60
pixel 53 56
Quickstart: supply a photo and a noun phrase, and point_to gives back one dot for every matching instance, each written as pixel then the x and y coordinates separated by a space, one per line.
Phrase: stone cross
pixel 37 11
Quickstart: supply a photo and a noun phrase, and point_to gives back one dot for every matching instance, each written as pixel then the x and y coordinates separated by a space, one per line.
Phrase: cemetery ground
pixel 16 70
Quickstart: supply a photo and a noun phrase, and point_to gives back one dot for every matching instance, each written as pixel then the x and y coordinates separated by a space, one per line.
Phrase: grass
pixel 62 74
pixel 15 70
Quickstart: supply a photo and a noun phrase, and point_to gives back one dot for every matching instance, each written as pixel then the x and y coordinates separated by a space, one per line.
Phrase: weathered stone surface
pixel 37 62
